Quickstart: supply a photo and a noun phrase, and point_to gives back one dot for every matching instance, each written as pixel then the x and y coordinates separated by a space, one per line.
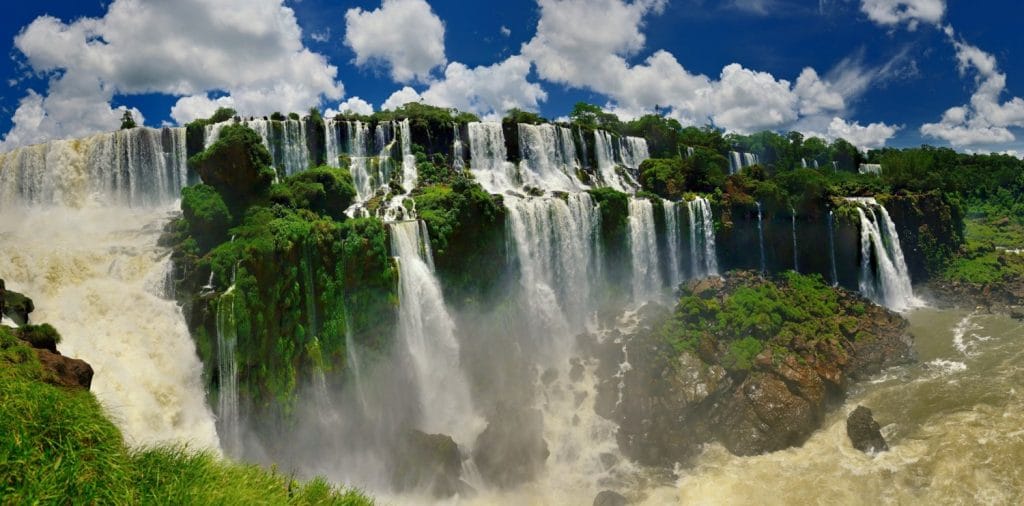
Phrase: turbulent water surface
pixel 954 421
pixel 97 276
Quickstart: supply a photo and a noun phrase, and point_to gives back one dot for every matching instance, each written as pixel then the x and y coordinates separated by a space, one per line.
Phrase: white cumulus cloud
pixel 485 90
pixel 865 137
pixel 404 35
pixel 986 119
pixel 249 49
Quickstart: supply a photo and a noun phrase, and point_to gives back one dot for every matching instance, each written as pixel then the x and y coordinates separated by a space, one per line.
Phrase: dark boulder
pixel 15 306
pixel 610 498
pixel 64 371
pixel 428 462
pixel 864 431
pixel 511 450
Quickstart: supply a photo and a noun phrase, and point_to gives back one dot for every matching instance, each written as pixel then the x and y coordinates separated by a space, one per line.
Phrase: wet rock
pixel 1017 313
pixel 511 450
pixel 428 462
pixel 864 431
pixel 15 306
pixel 576 371
pixel 549 376
pixel 610 498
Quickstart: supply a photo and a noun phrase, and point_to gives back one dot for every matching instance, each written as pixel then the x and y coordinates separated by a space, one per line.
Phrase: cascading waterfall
pixel 611 173
pixel 739 161
pixel 333 142
pixel 408 160
pixel 633 151
pixel 703 254
pixel 557 248
pixel 137 167
pixel 643 245
pixel 796 250
pixel 358 149
pixel 832 247
pixel 426 334
pixel 458 151
pixel 760 238
pixel 285 140
pixel 671 210
pixel 548 156
pixel 228 414
pixel 887 280
pixel 488 158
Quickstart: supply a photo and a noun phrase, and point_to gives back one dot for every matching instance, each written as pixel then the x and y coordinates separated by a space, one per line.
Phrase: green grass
pixel 982 262
pixel 57 446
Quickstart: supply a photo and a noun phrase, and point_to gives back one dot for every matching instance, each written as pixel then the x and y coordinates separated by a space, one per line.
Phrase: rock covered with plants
pixel 748 362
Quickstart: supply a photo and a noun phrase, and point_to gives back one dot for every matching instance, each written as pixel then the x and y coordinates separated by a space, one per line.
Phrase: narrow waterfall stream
pixel 427 336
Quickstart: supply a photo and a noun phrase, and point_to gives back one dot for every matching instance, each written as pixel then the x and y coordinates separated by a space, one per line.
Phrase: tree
pixel 128 121
pixel 592 116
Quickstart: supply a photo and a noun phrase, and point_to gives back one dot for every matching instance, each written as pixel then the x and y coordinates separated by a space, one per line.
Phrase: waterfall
pixel 643 245
pixel 458 152
pixel 760 238
pixel 358 149
pixel 634 151
pixel 488 158
pixel 703 255
pixel 332 142
pixel 671 211
pixel 548 156
pixel 427 336
pixel 832 247
pixel 557 248
pixel 137 167
pixel 229 423
pixel 689 151
pixel 408 160
pixel 887 282
pixel 97 275
pixel 611 173
pixel 796 251
pixel 739 161
pixel 285 140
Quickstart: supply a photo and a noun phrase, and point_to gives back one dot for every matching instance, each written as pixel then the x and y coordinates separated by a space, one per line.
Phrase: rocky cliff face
pixel 742 361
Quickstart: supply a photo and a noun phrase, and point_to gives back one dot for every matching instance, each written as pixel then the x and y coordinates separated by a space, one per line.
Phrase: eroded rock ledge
pixel 751 363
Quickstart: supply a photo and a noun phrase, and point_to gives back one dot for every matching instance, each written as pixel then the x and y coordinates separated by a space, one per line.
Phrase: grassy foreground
pixel 57 446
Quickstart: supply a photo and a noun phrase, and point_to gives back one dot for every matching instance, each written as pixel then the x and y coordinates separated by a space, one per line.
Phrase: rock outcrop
pixel 610 498
pixel 682 380
pixel 511 450
pixel 430 463
pixel 864 431
pixel 15 305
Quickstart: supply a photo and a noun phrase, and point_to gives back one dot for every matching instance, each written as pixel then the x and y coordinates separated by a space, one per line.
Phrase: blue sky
pixel 877 72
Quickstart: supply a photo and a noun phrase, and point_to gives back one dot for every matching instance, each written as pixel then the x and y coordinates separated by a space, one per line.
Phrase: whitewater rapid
pixel 97 275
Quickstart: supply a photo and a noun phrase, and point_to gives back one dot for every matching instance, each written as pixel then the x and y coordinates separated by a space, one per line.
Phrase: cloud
pixel 404 35
pixel 485 90
pixel 354 105
pixel 249 49
pixel 588 44
pixel 871 136
pixel 505 31
pixel 911 12
pixel 985 120
pixel 758 7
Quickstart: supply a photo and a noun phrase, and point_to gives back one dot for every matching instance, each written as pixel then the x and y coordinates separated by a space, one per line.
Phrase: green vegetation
pixel 128 121
pixel 304 276
pixel 991 253
pixel 467 233
pixel 57 446
pixel 791 313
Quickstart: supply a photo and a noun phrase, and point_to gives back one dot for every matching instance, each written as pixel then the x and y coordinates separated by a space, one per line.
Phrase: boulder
pixel 64 371
pixel 511 450
pixel 430 462
pixel 15 306
pixel 610 498
pixel 864 431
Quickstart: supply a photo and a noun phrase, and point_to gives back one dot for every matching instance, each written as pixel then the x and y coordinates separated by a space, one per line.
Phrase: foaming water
pixel 953 424
pixel 98 277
